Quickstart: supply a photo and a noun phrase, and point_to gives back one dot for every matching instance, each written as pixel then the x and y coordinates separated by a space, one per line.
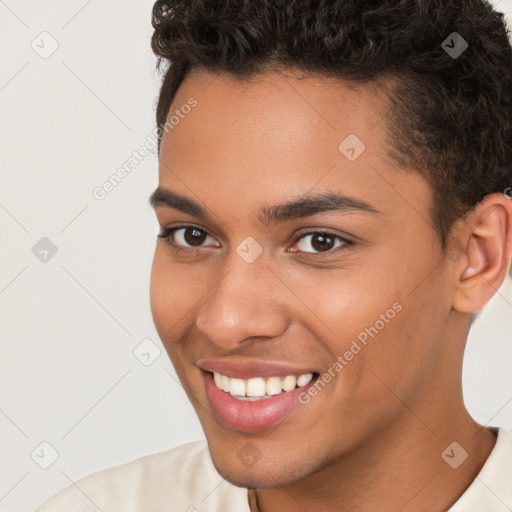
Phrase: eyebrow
pixel 302 206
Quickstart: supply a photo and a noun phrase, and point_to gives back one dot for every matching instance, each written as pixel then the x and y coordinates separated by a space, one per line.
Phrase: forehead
pixel 278 101
pixel 275 136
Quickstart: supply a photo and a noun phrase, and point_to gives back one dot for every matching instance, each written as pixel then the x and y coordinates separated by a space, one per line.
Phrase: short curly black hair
pixel 449 115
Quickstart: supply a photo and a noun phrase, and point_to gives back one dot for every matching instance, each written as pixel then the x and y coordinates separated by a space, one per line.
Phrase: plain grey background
pixel 77 93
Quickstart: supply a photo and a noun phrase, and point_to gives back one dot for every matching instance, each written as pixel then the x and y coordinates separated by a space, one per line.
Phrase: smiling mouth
pixel 260 388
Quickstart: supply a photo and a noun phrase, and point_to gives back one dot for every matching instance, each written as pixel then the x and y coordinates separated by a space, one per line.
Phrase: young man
pixel 334 203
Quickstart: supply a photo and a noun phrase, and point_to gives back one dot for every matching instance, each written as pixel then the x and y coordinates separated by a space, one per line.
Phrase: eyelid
pixel 325 231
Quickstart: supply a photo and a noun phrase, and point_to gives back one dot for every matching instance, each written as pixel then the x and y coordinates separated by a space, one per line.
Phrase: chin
pixel 250 479
pixel 262 475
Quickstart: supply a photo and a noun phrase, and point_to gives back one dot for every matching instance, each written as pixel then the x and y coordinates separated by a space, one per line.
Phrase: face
pixel 284 256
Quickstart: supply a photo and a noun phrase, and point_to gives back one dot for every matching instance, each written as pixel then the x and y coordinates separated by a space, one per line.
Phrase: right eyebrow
pixel 168 198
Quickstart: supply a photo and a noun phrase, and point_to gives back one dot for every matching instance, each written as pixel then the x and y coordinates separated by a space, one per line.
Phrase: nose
pixel 245 303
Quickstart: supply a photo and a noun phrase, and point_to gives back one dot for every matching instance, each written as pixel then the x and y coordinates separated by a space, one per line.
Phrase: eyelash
pixel 167 232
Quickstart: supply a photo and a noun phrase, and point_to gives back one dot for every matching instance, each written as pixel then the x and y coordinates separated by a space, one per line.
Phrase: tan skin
pixel 373 438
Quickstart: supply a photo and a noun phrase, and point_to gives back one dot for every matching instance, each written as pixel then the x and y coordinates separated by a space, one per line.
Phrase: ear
pixel 485 242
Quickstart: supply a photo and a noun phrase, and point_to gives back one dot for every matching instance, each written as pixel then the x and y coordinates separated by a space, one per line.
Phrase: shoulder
pixel 491 490
pixel 182 478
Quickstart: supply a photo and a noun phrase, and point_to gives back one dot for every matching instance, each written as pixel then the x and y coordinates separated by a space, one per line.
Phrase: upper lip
pixel 247 369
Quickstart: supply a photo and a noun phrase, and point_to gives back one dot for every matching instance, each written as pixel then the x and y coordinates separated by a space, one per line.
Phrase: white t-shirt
pixel 184 480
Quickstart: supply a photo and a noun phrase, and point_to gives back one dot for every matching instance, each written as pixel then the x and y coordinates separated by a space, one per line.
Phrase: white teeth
pixel 304 379
pixel 251 398
pixel 289 383
pixel 273 386
pixel 237 387
pixel 258 388
pixel 255 387
pixel 224 383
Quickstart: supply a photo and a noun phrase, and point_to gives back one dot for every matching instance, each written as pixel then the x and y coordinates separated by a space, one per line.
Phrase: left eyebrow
pixel 307 205
pixel 303 206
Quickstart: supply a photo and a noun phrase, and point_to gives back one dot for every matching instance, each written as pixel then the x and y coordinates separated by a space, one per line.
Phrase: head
pixel 348 184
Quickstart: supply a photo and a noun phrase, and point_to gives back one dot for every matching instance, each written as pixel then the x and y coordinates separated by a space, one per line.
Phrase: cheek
pixel 364 320
pixel 171 295
pixel 169 306
pixel 169 299
pixel 339 305
pixel 367 325
pixel 158 291
pixel 393 337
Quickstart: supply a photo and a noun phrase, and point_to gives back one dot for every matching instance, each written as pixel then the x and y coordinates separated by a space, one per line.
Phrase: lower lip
pixel 251 416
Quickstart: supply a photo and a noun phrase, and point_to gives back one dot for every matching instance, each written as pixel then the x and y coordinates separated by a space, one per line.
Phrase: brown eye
pixel 320 242
pixel 185 237
pixel 194 236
